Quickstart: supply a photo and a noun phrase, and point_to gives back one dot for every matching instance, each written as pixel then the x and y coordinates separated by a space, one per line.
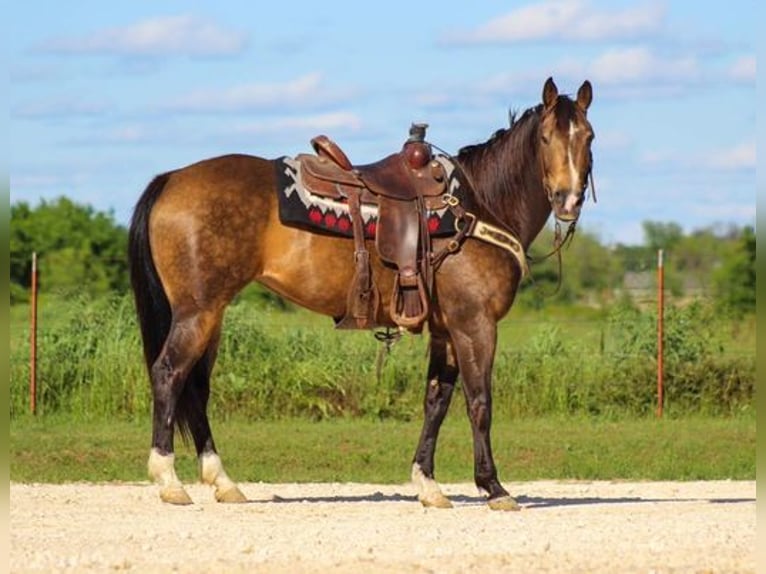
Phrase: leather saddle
pixel 403 186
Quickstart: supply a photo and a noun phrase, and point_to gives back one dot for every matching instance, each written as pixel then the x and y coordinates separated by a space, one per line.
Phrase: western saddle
pixel 403 186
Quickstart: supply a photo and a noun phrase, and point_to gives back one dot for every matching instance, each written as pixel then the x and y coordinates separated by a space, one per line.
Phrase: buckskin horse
pixel 201 233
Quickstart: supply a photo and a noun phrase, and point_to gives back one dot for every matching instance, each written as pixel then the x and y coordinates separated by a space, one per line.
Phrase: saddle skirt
pixel 301 206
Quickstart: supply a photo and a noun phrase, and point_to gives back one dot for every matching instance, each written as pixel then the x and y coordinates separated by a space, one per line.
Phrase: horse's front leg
pixel 475 345
pixel 442 374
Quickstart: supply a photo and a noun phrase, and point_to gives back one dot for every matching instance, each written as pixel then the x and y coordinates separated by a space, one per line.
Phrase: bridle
pixel 560 241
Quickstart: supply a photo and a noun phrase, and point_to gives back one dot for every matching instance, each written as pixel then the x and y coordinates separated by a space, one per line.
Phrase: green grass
pixel 274 364
pixel 55 450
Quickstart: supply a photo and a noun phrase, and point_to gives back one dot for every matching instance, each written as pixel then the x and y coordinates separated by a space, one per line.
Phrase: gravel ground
pixel 701 527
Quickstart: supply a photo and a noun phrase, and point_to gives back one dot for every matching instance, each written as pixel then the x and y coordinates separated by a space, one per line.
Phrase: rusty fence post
pixel 660 329
pixel 33 340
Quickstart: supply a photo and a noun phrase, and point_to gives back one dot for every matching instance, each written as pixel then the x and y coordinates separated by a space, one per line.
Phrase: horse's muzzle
pixel 566 205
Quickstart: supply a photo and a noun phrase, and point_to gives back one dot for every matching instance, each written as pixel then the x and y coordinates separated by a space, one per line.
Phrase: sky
pixel 103 96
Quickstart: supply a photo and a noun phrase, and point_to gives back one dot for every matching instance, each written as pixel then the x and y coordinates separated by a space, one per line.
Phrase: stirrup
pixel 399 303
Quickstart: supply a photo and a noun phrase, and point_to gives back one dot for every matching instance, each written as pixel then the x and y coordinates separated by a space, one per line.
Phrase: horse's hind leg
pixel 187 341
pixel 442 374
pixel 210 466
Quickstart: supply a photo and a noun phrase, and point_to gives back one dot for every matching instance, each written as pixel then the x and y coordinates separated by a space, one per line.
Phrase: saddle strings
pixel 388 338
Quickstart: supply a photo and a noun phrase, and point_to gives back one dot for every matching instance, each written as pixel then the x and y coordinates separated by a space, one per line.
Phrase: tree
pixel 588 271
pixel 659 235
pixel 735 279
pixel 79 249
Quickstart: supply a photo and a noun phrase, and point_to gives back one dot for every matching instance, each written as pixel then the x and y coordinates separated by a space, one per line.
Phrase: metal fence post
pixel 660 327
pixel 33 340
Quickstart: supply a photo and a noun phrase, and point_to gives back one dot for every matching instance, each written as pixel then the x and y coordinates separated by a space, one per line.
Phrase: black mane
pixel 503 169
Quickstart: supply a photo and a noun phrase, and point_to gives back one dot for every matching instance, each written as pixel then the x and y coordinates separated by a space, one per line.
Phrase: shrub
pixel 275 363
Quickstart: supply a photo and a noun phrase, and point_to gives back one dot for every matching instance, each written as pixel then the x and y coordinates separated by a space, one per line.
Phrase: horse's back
pixel 233 177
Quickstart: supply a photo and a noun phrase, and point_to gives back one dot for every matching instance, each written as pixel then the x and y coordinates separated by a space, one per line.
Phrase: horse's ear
pixel 585 95
pixel 550 93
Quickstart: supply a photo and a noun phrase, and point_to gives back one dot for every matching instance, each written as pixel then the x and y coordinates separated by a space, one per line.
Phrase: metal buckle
pixel 451 200
pixel 467 215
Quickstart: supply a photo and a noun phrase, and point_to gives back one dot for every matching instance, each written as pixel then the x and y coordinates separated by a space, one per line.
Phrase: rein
pixel 558 244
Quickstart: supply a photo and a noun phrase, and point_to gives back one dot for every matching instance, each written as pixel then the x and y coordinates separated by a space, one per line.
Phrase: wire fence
pixel 593 358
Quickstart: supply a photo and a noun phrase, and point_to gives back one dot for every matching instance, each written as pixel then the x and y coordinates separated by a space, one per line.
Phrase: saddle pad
pixel 298 207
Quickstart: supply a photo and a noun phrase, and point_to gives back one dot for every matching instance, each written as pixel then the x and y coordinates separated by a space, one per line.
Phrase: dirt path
pixel 563 527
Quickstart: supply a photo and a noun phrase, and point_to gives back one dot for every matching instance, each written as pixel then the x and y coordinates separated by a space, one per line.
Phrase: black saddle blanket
pixel 298 207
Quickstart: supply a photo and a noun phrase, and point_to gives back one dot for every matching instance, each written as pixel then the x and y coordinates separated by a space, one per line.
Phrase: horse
pixel 201 233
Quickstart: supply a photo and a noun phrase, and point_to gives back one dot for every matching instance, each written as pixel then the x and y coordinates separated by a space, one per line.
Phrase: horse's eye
pixel 546 139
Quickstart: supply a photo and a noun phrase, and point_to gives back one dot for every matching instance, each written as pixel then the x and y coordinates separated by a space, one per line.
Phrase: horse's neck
pixel 524 206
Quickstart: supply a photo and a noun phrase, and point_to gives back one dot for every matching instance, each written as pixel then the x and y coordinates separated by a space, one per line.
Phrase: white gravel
pixel 565 527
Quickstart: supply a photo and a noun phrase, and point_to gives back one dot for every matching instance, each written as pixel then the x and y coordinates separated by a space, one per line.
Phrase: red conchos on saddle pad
pixel 298 207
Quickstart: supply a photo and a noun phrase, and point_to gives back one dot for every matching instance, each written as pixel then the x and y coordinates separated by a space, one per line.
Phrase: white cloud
pixel 624 73
pixel 574 20
pixel 657 157
pixel 738 157
pixel 329 121
pixel 58 108
pixel 741 156
pixel 639 64
pixel 25 180
pixel 166 35
pixel 743 69
pixel 304 91
pixel 125 134
pixel 612 140
pixel 716 211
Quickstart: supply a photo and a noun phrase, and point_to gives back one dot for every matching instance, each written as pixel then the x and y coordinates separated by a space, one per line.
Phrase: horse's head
pixel 565 139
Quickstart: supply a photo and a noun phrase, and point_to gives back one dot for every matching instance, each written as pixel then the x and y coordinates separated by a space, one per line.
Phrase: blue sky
pixel 103 96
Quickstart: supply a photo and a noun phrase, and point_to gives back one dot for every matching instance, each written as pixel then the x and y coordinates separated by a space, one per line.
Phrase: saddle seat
pixel 406 175
pixel 403 186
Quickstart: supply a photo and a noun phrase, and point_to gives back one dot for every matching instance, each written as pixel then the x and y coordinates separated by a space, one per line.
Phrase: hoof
pixel 436 500
pixel 503 503
pixel 231 495
pixel 429 493
pixel 175 495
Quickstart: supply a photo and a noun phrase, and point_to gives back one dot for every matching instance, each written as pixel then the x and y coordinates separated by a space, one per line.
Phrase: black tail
pixel 152 304
pixel 153 309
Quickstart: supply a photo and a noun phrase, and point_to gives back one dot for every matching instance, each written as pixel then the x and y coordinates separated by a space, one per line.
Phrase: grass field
pixel 274 364
pixel 295 400
pixel 690 448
